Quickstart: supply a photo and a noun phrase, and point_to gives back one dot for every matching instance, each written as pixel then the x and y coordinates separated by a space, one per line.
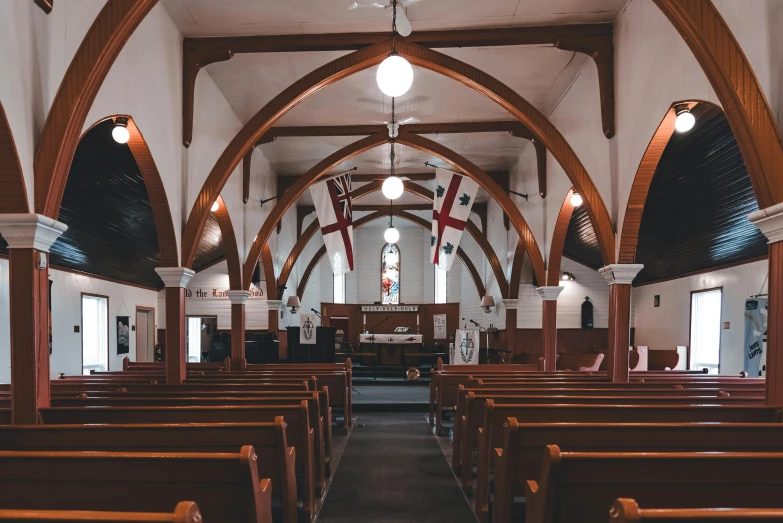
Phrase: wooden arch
pixel 229 245
pixel 731 76
pixel 539 125
pixel 411 140
pixel 558 241
pixel 516 270
pixel 411 187
pixel 13 195
pixel 60 135
pixel 364 220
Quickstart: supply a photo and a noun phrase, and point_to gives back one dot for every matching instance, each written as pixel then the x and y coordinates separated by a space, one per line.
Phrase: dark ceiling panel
pixel 581 244
pixel 210 248
pixel 696 214
pixel 111 228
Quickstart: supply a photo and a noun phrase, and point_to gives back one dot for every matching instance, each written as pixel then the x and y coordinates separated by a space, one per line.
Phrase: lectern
pixel 321 352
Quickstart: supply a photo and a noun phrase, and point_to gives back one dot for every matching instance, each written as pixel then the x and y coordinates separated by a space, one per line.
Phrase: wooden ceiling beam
pixel 595 40
pixel 401 207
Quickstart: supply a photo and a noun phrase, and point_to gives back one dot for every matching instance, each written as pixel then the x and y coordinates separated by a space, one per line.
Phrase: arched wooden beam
pixel 414 188
pixel 558 241
pixel 731 76
pixel 539 125
pixel 641 186
pixel 45 5
pixel 78 89
pixel 13 195
pixel 516 270
pixel 164 225
pixel 268 266
pixel 229 245
pixel 364 220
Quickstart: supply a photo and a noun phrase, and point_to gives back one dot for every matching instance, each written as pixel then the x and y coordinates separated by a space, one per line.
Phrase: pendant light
pixel 395 74
pixel 576 199
pixel 391 235
pixel 215 206
pixel 685 119
pixel 392 187
pixel 120 132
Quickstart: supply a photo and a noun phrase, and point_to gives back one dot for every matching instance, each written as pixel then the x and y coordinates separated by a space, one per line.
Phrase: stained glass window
pixel 390 274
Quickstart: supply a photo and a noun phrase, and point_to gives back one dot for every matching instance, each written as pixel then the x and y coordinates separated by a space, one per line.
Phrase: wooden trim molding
pixel 13 194
pixel 595 40
pixel 364 220
pixel 164 225
pixel 45 5
pixel 481 82
pixel 60 135
pixel 558 241
pixel 303 239
pixel 229 245
pixel 731 76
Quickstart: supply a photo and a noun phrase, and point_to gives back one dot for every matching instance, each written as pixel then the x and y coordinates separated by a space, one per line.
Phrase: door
pixel 705 330
pixel 145 334
pixel 95 333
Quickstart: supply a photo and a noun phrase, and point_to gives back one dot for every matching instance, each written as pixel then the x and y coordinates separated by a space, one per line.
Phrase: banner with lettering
pixel 755 332
pixel 439 321
pixel 466 348
pixel 307 329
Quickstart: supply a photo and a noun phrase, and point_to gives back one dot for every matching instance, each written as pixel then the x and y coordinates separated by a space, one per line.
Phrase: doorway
pixel 95 333
pixel 145 334
pixel 705 329
pixel 199 334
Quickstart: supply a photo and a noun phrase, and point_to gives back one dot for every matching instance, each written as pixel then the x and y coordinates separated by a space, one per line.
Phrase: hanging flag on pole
pixel 454 195
pixel 332 200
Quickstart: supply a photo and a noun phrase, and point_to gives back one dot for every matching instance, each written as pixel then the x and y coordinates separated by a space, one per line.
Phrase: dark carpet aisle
pixel 393 471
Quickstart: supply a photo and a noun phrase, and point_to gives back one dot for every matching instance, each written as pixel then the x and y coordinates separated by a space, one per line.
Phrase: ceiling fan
pixel 404 27
pixel 394 127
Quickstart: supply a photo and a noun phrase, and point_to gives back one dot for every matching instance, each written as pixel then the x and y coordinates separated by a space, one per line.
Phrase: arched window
pixel 390 274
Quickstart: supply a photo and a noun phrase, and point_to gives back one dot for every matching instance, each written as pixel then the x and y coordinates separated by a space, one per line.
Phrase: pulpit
pixel 321 352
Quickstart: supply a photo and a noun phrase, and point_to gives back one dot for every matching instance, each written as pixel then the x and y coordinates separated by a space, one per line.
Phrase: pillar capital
pixel 510 303
pixel 770 221
pixel 622 273
pixel 30 231
pixel 549 293
pixel 237 297
pixel 275 305
pixel 175 276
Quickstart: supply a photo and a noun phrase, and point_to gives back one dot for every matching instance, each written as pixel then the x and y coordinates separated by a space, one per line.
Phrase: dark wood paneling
pixel 568 340
pixel 581 243
pixel 696 213
pixel 210 247
pixel 111 224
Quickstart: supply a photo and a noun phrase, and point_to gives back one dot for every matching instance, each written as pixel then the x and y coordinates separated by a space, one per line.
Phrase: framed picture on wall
pixel 123 334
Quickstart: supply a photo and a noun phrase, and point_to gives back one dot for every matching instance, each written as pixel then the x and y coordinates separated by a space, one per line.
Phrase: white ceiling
pixel 541 74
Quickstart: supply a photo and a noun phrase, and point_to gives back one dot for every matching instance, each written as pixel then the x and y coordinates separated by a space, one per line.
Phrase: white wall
pixel 5 324
pixel 666 326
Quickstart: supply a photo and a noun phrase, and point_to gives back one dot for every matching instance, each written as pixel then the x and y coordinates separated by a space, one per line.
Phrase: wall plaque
pixel 390 308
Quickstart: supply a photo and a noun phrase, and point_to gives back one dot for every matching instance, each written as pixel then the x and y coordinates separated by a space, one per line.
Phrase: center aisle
pixel 394 471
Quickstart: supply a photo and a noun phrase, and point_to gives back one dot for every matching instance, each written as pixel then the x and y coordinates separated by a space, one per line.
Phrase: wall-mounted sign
pixel 390 308
pixel 214 293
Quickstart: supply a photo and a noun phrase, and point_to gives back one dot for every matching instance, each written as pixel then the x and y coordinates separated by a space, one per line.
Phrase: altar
pixel 391 349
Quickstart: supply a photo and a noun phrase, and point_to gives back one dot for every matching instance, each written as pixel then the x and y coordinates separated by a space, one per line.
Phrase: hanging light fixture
pixel 215 206
pixel 120 132
pixel 395 74
pixel 685 119
pixel 392 187
pixel 576 199
pixel 567 276
pixel 391 235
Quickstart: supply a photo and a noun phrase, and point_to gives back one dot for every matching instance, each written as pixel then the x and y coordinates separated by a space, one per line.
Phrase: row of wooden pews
pixel 253 445
pixel 562 447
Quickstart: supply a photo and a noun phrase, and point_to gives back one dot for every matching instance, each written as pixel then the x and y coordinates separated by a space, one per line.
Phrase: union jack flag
pixel 332 200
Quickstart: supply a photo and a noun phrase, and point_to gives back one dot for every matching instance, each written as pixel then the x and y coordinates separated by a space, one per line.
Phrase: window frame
pixel 690 325
pixel 334 288
pixel 108 326
pixel 445 285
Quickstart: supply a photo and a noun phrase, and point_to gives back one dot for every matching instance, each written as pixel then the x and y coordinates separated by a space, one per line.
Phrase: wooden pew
pixel 276 460
pixel 184 512
pixel 520 457
pixel 225 486
pixel 495 415
pixel 580 487
pixel 626 510
pixel 215 366
pixel 298 432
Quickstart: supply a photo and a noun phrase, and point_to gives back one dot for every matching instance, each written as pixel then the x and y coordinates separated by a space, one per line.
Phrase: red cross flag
pixel 332 200
pixel 454 195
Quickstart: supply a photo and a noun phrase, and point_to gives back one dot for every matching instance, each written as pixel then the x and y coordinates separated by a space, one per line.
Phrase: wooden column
pixel 274 307
pixel 238 300
pixel 770 221
pixel 175 279
pixel 549 324
pixel 511 324
pixel 619 278
pixel 29 238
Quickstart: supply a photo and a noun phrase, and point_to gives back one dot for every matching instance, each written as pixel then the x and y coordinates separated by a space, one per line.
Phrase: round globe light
pixel 120 133
pixel 215 206
pixel 684 122
pixel 395 75
pixel 576 199
pixel 392 188
pixel 391 235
